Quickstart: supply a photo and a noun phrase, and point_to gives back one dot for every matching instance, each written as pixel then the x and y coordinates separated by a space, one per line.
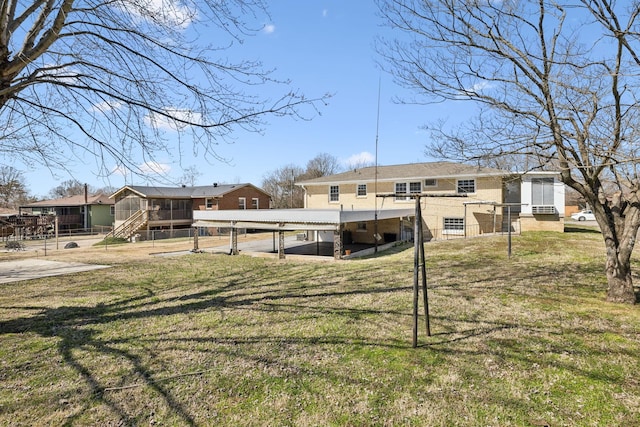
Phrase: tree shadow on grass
pixel 72 327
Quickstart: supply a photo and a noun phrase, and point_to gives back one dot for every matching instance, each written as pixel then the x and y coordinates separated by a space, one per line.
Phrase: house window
pixel 466 186
pixel 255 203
pixel 430 182
pixel 361 190
pixel 542 192
pixel 453 226
pixel 209 203
pixel 362 226
pixel 112 210
pixel 401 188
pixel 334 193
pixel 242 203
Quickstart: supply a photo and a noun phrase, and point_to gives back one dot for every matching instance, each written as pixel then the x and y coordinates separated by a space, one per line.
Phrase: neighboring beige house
pixel 459 199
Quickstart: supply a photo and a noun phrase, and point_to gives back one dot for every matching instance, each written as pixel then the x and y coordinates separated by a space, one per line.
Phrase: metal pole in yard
pixel 464 223
pixel 416 256
pixel 509 230
pixel 423 269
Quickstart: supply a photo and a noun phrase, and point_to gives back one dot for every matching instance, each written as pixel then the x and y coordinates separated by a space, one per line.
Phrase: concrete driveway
pixel 26 269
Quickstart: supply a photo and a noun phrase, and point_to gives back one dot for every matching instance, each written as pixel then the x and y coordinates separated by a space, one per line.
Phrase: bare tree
pixel 280 184
pixel 556 81
pixel 322 165
pixel 111 78
pixel 13 190
pixel 190 176
pixel 70 187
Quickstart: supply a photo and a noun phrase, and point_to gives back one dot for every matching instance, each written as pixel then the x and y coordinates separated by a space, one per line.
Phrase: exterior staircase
pixel 134 223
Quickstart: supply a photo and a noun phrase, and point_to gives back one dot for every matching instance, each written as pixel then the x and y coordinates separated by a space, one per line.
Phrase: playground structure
pixel 23 227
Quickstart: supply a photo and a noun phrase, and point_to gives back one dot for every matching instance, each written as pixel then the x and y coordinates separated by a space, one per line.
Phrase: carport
pixel 331 221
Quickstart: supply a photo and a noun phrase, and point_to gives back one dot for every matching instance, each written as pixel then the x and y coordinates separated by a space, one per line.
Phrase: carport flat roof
pixel 292 219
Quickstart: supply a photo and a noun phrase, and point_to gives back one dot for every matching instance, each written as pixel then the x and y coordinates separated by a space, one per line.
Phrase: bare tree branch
pixel 558 82
pixel 123 79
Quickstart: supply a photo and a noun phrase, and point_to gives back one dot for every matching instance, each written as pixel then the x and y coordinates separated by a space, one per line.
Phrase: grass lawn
pixel 205 339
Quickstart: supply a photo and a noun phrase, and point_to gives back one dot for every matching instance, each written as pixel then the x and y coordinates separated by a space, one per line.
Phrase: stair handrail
pixel 131 225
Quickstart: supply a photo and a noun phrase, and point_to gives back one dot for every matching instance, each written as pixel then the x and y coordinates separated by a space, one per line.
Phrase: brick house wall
pixel 232 200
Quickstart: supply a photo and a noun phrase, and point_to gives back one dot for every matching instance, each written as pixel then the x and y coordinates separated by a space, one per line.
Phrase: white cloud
pixel 175 120
pixel 150 169
pixel 167 12
pixel 359 160
pixel 269 29
pixel 106 106
pixel 325 12
pixel 154 168
pixel 475 89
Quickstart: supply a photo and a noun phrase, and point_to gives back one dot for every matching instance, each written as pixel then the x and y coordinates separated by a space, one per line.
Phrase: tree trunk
pixel 619 281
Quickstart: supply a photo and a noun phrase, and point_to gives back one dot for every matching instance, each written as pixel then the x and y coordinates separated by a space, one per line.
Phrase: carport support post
pixel 337 243
pixel 195 239
pixel 234 241
pixel 281 244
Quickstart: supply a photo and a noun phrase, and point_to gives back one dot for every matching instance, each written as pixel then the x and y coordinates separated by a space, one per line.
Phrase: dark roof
pixel 432 170
pixel 77 200
pixel 184 192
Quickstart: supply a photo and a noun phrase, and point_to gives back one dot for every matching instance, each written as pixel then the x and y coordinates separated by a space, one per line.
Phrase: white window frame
pixel 462 184
pixel 255 203
pixel 453 225
pixel 403 190
pixel 542 189
pixel 209 203
pixel 406 188
pixel 430 182
pixel 242 203
pixel 334 196
pixel 361 187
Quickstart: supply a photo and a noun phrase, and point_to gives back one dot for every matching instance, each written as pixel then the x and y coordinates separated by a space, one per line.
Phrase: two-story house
pixel 376 205
pixel 456 199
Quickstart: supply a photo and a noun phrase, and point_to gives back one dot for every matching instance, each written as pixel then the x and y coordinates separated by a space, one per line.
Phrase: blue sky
pixel 322 46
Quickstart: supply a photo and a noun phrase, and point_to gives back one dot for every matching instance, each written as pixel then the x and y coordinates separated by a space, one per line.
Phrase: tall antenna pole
pixel 375 182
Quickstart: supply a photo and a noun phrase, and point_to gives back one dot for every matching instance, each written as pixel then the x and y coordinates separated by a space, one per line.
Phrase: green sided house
pixel 148 208
pixel 456 199
pixel 80 212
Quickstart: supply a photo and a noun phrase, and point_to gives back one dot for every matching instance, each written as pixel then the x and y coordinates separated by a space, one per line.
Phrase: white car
pixel 585 215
